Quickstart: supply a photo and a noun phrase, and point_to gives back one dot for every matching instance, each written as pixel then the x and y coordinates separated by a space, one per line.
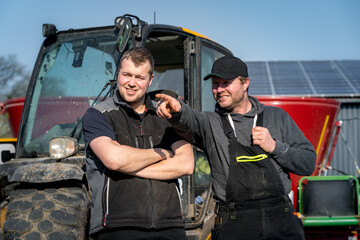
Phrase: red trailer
pixel 13 109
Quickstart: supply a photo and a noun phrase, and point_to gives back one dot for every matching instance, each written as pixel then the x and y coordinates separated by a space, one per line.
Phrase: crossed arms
pixel 157 163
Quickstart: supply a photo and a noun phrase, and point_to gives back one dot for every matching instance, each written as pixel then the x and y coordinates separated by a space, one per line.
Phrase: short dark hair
pixel 138 56
pixel 242 79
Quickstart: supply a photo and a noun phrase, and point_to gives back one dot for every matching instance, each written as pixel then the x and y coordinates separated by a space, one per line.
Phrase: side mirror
pixel 124 24
pixel 48 30
pixel 6 156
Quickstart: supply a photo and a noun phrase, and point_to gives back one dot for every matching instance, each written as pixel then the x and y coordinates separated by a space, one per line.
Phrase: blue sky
pixel 254 30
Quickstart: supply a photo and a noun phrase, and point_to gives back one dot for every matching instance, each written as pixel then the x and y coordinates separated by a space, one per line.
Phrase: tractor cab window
pixel 208 57
pixel 168 52
pixel 71 75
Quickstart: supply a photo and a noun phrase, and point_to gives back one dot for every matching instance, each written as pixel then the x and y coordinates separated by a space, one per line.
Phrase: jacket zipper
pixel 152 205
pixel 106 200
pixel 151 186
pixel 151 142
pixel 152 192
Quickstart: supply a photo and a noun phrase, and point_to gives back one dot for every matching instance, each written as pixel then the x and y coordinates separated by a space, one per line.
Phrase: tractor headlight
pixel 62 147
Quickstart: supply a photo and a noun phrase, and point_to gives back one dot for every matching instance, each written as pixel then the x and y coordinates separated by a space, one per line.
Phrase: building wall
pixel 346 157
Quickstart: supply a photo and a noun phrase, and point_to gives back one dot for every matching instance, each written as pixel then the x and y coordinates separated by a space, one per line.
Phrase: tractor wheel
pixel 47 214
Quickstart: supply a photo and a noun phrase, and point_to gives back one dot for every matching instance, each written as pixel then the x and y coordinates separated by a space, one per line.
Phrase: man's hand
pixel 262 137
pixel 167 105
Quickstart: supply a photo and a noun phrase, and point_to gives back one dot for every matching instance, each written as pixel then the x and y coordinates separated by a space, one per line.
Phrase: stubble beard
pixel 230 106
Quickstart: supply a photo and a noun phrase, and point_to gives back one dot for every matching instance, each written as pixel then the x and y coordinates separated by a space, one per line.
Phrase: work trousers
pixel 143 234
pixel 268 223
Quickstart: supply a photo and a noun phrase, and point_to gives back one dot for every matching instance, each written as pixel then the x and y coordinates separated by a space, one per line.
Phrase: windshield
pixel 72 74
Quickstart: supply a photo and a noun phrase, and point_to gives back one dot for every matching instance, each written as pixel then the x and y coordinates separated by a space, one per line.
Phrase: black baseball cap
pixel 228 67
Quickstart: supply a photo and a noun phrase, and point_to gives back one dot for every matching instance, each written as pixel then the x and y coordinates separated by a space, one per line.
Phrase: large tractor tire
pixel 47 214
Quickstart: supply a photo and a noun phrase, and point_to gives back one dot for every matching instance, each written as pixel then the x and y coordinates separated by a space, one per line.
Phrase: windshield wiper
pixel 112 84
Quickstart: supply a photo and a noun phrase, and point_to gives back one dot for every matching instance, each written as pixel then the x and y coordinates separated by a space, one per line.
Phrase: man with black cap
pixel 251 148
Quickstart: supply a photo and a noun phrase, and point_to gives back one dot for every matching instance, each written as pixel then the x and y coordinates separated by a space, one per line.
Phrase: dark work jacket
pixel 132 201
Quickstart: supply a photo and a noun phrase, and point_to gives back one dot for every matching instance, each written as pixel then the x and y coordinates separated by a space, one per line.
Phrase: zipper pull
pixel 141 130
pixel 105 220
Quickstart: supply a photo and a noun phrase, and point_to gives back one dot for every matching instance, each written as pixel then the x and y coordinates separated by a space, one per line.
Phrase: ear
pixel 151 79
pixel 246 84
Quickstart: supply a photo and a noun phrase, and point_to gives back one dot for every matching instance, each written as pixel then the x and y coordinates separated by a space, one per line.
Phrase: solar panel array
pixel 305 78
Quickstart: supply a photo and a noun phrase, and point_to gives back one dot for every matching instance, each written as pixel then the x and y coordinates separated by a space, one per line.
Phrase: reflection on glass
pixel 208 57
pixel 71 75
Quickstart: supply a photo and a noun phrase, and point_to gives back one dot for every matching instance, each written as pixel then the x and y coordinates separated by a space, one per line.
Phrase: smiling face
pixel 231 94
pixel 133 82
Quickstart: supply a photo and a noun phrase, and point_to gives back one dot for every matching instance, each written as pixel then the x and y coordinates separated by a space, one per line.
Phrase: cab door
pixel 181 61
